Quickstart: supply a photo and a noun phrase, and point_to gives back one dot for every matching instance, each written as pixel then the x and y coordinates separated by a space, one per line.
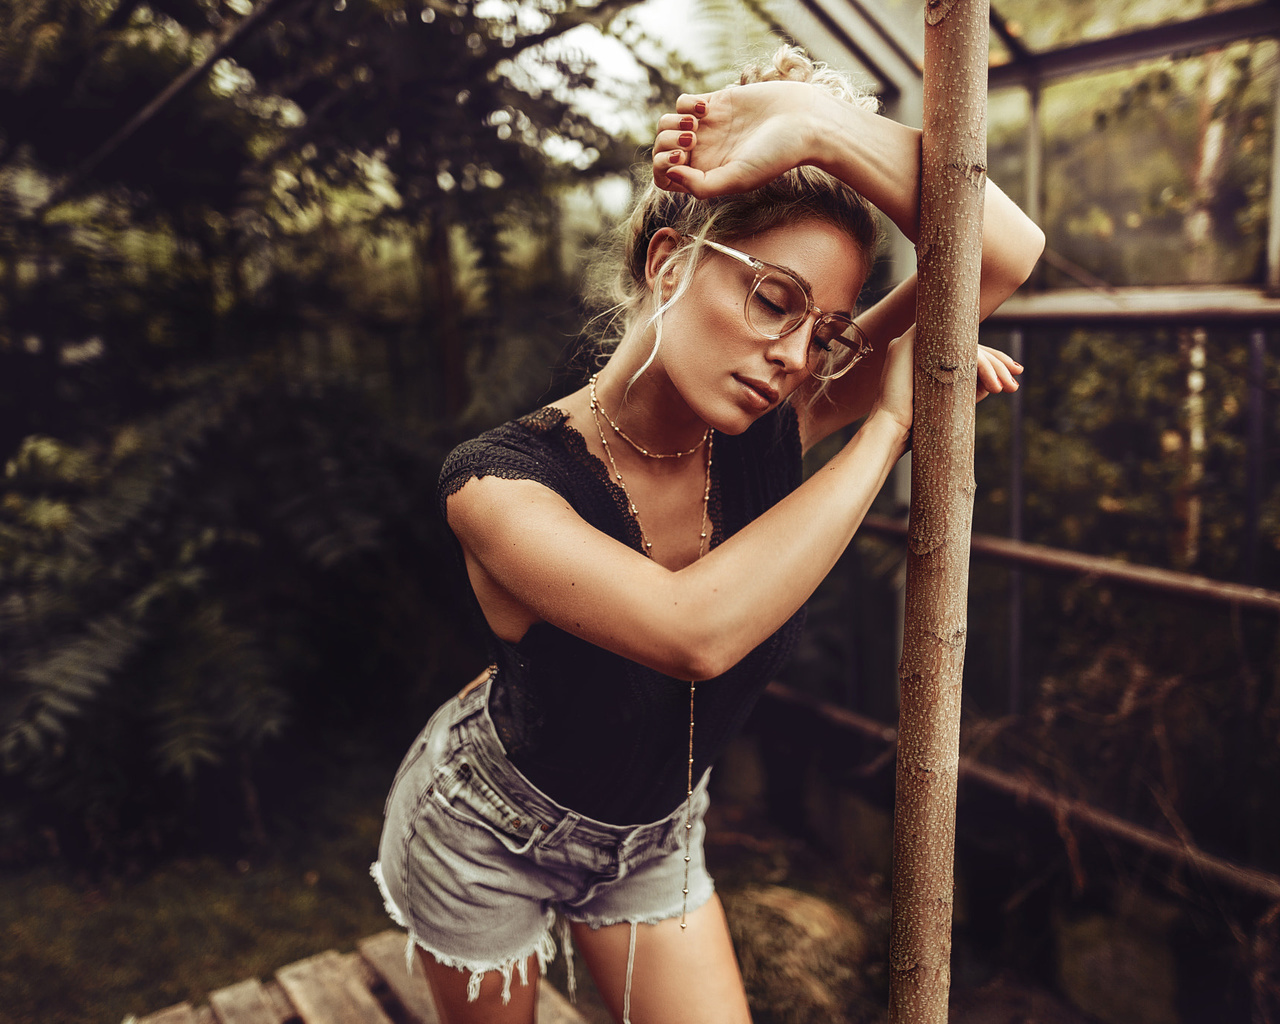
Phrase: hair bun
pixel 792 64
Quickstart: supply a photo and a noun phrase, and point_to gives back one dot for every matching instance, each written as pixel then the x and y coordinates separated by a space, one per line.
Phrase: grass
pixel 72 952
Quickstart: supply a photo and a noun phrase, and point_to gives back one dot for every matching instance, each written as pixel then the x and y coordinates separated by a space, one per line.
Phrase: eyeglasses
pixel 778 302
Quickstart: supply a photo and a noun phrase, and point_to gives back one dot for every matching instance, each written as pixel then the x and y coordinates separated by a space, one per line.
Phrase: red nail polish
pixel 688 124
pixel 686 139
pixel 699 108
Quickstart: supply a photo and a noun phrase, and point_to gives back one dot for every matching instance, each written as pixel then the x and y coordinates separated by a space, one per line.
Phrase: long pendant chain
pixel 709 439
pixel 688 813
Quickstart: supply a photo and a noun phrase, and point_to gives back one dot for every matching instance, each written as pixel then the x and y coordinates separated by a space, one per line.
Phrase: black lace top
pixel 594 731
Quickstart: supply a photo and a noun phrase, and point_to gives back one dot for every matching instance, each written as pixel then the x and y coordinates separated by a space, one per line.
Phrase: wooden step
pixel 370 986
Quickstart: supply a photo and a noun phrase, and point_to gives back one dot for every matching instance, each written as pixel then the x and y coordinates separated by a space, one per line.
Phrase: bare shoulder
pixel 488 508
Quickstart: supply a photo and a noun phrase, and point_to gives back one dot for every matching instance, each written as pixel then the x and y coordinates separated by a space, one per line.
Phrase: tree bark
pixel 952 186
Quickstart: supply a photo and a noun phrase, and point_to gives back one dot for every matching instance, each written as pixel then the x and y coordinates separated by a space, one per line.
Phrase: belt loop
pixel 557 835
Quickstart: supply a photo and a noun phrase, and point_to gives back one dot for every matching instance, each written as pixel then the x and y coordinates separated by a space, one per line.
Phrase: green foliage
pixel 236 344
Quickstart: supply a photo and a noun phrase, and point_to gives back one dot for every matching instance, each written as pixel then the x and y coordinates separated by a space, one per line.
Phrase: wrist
pixel 822 123
pixel 888 430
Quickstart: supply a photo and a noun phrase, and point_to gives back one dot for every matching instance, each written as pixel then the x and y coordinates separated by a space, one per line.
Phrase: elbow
pixel 697 663
pixel 698 656
pixel 1033 249
pixel 1018 261
pixel 1023 256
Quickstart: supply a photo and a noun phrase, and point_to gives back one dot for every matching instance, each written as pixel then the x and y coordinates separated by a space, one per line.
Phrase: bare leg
pixel 678 977
pixel 449 990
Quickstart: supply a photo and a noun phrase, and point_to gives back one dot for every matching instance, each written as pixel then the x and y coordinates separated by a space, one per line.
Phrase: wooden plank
pixel 278 1001
pixel 181 1013
pixel 243 1003
pixel 385 954
pixel 325 990
pixel 553 1008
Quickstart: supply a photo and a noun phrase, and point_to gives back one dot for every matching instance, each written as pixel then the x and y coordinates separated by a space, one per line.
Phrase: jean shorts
pixel 476 862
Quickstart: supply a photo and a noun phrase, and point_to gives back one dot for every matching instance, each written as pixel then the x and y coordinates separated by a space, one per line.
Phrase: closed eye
pixel 769 304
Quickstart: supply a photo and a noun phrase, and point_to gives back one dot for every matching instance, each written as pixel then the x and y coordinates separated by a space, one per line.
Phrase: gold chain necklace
pixel 591 384
pixel 708 439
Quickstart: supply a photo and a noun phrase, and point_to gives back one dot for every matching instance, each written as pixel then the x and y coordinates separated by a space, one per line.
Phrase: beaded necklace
pixel 596 412
pixel 591 384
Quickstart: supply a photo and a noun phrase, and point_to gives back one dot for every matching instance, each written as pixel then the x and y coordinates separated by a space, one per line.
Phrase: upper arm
pixel 531 558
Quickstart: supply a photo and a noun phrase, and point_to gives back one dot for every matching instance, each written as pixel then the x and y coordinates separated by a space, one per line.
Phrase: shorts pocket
pixel 411 758
pixel 466 795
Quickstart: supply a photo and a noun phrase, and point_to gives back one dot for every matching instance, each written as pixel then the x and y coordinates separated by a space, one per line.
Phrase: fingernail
pixel 686 139
pixel 699 108
pixel 688 124
pixel 674 156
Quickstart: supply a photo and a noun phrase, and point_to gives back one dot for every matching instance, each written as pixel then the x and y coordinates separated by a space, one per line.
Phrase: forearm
pixel 733 599
pixel 531 558
pixel 881 159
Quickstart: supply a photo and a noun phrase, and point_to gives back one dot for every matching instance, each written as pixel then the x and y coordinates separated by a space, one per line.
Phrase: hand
pixel 735 139
pixel 996 371
pixel 897 382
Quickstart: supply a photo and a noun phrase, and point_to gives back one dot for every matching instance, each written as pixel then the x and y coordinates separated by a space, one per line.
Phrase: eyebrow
pixel 799 277
pixel 803 280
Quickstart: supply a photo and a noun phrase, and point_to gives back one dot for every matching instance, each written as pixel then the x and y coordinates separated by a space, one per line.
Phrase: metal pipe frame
pixel 1041 556
pixel 1195 35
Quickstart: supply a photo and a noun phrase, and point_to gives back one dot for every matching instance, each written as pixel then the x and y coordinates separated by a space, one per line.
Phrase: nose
pixel 791 351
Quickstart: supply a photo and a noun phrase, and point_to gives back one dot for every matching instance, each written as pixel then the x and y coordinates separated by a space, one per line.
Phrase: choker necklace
pixel 708 439
pixel 591 385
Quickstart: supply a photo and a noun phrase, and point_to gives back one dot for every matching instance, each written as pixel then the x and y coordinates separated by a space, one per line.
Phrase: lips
pixel 767 393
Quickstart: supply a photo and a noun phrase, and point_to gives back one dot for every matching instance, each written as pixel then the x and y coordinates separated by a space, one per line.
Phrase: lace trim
pixel 549 421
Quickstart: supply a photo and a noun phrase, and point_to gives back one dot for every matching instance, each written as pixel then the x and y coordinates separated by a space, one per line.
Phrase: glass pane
pixel 1157 174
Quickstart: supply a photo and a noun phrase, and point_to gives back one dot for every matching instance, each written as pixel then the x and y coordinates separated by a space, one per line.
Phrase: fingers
pixel 692 104
pixel 677 123
pixel 677 135
pixel 996 371
pixel 671 149
pixel 673 146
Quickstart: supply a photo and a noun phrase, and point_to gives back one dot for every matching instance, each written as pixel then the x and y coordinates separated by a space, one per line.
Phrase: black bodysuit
pixel 598 733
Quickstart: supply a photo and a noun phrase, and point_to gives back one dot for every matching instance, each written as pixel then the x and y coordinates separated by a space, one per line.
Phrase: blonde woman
pixel 642 550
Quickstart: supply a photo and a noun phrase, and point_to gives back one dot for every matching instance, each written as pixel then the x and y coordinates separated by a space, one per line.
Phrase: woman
pixel 641 552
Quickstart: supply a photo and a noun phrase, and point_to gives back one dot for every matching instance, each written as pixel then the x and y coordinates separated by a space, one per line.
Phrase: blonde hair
pixel 802 193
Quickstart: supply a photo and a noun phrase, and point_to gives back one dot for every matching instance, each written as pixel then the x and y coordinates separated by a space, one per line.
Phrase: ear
pixel 657 261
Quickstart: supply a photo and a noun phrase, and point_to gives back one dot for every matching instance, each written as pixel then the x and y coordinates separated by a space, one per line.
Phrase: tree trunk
pixel 952 186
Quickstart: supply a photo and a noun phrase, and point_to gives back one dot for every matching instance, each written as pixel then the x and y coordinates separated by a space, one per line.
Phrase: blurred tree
pixel 237 339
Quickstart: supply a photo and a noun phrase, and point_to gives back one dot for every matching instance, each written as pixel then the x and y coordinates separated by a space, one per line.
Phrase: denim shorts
pixel 476 862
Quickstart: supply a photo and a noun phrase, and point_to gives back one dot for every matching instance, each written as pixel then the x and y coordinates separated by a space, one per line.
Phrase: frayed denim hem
pixel 544 949
pixel 596 923
pixel 634 923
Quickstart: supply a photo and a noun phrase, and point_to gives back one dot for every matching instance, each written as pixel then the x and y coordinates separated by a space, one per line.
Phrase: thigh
pixel 679 976
pixel 449 991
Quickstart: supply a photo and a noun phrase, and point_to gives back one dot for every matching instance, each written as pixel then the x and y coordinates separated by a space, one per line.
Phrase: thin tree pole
pixel 952 185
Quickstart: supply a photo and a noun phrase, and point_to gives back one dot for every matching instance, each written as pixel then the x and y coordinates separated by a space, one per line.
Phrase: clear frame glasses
pixel 778 302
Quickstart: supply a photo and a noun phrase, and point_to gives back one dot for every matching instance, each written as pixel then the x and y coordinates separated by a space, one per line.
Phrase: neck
pixel 650 411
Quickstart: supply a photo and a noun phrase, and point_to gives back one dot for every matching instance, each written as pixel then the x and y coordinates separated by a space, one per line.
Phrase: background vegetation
pixel 240 333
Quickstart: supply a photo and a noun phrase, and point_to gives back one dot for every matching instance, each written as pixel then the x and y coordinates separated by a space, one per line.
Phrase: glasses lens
pixel 776 304
pixel 837 345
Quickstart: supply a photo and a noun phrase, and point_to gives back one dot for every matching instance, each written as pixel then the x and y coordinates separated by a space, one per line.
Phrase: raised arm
pixel 736 139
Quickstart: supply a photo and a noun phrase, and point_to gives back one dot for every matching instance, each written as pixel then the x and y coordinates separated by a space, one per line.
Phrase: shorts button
pixel 517 823
pixel 464 770
pixel 544 827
